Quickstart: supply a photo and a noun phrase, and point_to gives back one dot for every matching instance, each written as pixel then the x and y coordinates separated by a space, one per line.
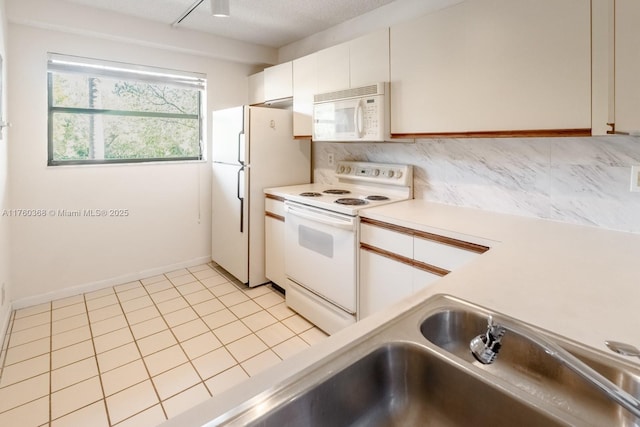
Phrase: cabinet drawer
pixel 443 255
pixel 392 241
pixel 274 205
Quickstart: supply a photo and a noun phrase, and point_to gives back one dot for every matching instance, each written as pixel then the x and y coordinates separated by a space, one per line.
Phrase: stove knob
pixel 341 169
pixel 399 174
pixel 348 169
pixel 390 174
pixel 376 172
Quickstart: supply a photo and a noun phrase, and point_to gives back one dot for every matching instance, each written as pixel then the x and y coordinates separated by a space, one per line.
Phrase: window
pixel 106 112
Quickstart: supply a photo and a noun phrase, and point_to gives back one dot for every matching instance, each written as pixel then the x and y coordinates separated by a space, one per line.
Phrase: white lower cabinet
pixel 384 281
pixel 396 262
pixel 274 241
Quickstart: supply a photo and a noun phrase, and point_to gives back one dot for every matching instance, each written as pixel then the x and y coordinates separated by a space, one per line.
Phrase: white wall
pixel 91 22
pixel 5 272
pixel 169 204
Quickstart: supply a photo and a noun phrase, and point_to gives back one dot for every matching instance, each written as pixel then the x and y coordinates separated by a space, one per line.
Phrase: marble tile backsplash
pixel 575 180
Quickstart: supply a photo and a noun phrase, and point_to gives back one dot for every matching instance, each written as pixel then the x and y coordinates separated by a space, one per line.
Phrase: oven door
pixel 320 248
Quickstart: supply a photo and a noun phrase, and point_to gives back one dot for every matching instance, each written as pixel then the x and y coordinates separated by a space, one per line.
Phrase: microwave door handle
pixel 359 119
pixel 346 225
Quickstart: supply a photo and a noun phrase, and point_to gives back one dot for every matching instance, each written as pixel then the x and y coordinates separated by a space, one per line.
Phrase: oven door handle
pixel 323 219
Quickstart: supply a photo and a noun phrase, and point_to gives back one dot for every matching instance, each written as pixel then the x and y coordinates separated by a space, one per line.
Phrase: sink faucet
pixel 485 348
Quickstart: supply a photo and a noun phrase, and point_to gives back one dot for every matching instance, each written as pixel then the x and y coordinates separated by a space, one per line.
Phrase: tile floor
pixel 139 353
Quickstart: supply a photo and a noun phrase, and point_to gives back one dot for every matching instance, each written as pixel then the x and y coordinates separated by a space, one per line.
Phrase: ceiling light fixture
pixel 220 8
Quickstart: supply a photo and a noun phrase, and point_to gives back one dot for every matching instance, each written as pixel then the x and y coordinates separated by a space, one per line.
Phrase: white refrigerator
pixel 253 149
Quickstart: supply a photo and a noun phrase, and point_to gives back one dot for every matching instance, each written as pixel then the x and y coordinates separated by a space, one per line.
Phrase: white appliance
pixel 356 114
pixel 321 238
pixel 253 148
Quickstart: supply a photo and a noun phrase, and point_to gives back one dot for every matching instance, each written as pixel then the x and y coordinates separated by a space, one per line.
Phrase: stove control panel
pixel 383 173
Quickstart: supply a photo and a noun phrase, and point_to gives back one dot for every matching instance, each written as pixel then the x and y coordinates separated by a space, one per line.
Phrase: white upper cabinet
pixel 278 81
pixel 256 88
pixel 369 59
pixel 305 85
pixel 359 62
pixel 483 66
pixel 627 65
pixel 333 68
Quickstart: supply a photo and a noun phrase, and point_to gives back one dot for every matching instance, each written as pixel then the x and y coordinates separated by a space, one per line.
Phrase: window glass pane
pixel 126 138
pixel 73 90
pixel 120 115
pixel 129 138
pixel 71 136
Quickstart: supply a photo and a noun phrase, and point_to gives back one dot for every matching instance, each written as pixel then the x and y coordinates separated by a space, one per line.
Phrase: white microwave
pixel 356 114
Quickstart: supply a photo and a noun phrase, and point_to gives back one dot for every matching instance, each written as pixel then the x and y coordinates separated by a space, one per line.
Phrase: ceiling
pixel 273 23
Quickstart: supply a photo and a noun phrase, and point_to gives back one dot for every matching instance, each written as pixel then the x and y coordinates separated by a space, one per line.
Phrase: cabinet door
pixel 305 85
pixel 278 81
pixel 256 88
pixel 274 240
pixel 493 66
pixel 369 59
pixel 333 68
pixel 422 279
pixel 627 65
pixel 274 251
pixel 383 281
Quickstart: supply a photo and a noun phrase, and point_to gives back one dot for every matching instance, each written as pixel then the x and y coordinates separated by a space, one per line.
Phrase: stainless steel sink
pixel 526 366
pixel 401 384
pixel 417 371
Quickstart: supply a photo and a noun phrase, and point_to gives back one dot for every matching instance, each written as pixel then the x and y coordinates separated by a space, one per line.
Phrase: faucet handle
pixel 485 347
pixel 495 330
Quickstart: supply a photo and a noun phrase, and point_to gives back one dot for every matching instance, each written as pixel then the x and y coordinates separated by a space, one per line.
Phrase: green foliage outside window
pixel 98 116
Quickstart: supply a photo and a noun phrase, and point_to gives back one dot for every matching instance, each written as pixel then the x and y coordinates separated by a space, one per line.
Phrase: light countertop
pixel 576 281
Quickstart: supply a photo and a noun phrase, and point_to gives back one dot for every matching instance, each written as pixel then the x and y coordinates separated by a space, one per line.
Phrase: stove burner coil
pixel 336 191
pixel 351 201
pixel 310 194
pixel 376 197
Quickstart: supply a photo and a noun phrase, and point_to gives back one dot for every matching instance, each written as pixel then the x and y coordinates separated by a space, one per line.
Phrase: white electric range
pixel 360 185
pixel 321 237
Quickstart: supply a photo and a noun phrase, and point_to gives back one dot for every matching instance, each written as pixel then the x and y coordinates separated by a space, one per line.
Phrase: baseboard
pixel 100 284
pixel 5 318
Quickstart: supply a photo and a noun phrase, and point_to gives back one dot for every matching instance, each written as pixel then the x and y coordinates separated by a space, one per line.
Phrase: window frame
pixel 121 70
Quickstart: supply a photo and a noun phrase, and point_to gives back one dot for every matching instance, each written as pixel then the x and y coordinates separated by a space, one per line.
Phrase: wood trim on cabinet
pixel 271 196
pixel 438 271
pixel 274 216
pixel 461 244
pixel 450 241
pixel 533 133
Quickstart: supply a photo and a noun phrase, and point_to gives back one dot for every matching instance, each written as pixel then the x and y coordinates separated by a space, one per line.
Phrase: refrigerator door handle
pixel 240 144
pixel 241 198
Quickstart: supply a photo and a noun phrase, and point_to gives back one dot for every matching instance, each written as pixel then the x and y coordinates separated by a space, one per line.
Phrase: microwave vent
pixel 356 92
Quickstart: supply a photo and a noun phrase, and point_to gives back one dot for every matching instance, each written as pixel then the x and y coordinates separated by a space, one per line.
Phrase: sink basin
pixel 526 366
pixel 417 370
pixel 401 384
